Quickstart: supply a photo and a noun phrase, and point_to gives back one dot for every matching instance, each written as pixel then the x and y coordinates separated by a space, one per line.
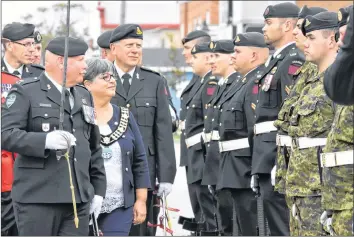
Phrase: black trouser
pixel 197 211
pixel 245 205
pixel 275 209
pixel 225 211
pixel 39 219
pixel 8 223
pixel 152 214
pixel 205 201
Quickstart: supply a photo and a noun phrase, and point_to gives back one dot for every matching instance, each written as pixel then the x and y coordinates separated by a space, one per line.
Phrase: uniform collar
pixel 11 69
pixel 121 73
pixel 278 51
pixel 56 84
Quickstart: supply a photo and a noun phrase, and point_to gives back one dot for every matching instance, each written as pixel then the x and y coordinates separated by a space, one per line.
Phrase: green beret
pixel 126 31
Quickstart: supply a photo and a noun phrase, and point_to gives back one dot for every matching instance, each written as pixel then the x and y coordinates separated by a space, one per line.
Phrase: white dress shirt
pixel 11 69
pixel 121 73
pixel 59 87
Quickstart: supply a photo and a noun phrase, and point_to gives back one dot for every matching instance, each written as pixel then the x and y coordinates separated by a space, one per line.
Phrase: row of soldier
pixel 260 130
pixel 265 139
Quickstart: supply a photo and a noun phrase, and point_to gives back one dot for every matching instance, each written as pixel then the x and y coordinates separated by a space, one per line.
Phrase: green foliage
pixel 58 11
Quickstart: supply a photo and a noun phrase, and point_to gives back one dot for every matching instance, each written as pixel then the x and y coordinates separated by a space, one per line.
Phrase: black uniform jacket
pixel 29 71
pixel 196 110
pixel 212 155
pixel 236 118
pixel 149 104
pixel 182 116
pixel 38 176
pixel 273 87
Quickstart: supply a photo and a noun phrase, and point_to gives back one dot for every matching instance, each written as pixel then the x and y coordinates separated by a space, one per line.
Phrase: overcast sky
pixel 14 10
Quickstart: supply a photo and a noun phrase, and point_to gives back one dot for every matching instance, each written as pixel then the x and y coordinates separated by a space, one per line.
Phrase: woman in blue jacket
pixel 123 153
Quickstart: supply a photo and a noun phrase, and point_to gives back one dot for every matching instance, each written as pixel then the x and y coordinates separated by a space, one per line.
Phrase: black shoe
pixel 209 233
pixel 181 219
pixel 193 226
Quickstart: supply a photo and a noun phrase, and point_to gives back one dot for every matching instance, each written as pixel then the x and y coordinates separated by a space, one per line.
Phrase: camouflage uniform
pixel 338 190
pixel 282 123
pixel 312 118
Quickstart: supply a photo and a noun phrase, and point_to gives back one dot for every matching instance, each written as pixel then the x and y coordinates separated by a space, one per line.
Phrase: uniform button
pixel 212 120
pixel 45 115
pixel 219 106
pixel 220 124
pixel 73 129
pixel 126 169
pixel 128 153
pixel 187 107
pixel 75 159
pixel 232 108
pixel 257 101
pixel 208 145
pixel 123 136
pixel 71 116
pixel 180 109
pixel 184 134
pixel 220 110
pixel 255 116
pixel 193 106
pixel 205 117
pixel 128 105
pixel 181 98
pixel 147 104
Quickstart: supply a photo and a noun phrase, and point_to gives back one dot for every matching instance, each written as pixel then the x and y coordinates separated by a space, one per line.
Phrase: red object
pixel 255 89
pixel 7 158
pixel 292 69
pixel 166 91
pixel 210 90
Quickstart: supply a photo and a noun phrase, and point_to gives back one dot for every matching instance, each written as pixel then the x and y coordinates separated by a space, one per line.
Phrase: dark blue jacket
pixel 135 170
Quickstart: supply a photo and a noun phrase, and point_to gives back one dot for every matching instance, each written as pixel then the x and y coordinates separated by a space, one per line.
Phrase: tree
pixel 177 75
pixel 57 27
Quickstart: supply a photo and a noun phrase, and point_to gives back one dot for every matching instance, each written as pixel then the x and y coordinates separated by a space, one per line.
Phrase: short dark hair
pixel 97 66
pixel 327 32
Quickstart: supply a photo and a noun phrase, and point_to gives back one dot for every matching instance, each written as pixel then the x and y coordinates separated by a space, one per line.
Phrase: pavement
pixel 178 198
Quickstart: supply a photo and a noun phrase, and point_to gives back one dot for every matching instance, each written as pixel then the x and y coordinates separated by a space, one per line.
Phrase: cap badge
pixel 138 31
pixel 266 12
pixel 340 16
pixel 211 45
pixel 237 39
pixel 38 37
pixel 307 23
pixel 193 50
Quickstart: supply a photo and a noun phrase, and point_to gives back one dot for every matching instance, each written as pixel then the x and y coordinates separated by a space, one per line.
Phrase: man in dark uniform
pixel 188 42
pixel 19 41
pixel 343 14
pixel 196 104
pixel 280 20
pixel 142 91
pixel 42 191
pixel 103 43
pixel 339 78
pixel 220 64
pixel 236 120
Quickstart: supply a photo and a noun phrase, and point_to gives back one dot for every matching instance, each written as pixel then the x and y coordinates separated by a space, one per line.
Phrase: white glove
pixel 272 175
pixel 252 184
pixel 59 140
pixel 326 221
pixel 96 205
pixel 164 187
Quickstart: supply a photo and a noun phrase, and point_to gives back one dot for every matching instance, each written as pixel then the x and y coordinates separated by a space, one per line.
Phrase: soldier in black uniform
pixel 143 92
pixel 339 77
pixel 19 41
pixel 236 118
pixel 221 67
pixel 280 20
pixel 30 122
pixel 188 42
pixel 103 43
pixel 196 104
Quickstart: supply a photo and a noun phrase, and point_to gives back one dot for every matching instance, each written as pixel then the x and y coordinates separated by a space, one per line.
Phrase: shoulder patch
pixel 37 66
pixel 150 70
pixel 210 90
pixel 294 67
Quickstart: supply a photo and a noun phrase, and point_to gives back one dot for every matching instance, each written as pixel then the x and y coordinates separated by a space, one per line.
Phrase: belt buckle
pixel 278 140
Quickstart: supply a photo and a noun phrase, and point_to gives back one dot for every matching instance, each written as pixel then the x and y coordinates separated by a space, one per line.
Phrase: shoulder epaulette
pixel 150 70
pixel 293 52
pixel 28 81
pixel 38 66
pixel 82 86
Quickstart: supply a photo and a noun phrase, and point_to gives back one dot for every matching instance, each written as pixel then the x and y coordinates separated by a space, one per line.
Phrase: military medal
pixel 107 152
pixel 268 80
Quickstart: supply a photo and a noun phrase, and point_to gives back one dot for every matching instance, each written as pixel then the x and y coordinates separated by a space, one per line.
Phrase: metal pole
pixel 122 12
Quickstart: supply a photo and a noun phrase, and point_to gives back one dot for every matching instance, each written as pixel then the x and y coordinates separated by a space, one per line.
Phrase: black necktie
pixel 126 83
pixel 16 73
pixel 67 100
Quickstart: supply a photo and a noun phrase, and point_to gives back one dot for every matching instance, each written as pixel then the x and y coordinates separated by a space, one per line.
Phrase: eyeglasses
pixel 27 45
pixel 106 76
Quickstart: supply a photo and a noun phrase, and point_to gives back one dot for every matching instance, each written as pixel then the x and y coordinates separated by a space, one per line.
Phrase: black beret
pixel 202 48
pixel 281 10
pixel 320 21
pixel 76 46
pixel 194 35
pixel 310 11
pixel 18 31
pixel 343 15
pixel 222 46
pixel 250 39
pixel 126 31
pixel 104 38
